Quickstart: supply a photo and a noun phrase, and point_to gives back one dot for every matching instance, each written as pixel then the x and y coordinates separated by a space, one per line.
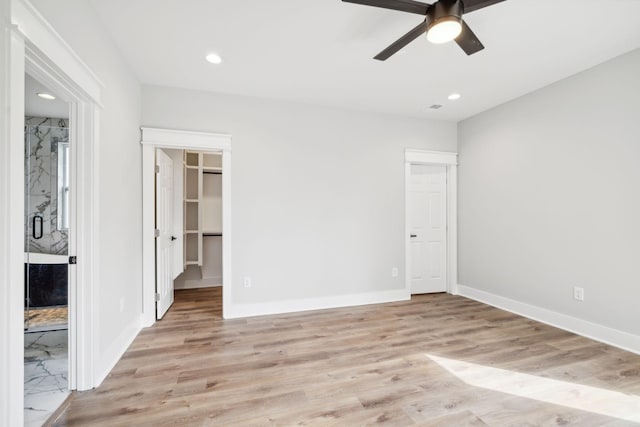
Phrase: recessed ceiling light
pixel 47 96
pixel 214 58
pixel 454 96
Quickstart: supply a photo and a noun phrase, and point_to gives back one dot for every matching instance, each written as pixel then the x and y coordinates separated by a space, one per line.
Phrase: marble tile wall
pixel 42 136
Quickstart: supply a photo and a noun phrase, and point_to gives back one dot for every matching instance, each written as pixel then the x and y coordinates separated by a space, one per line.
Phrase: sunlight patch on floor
pixel 577 396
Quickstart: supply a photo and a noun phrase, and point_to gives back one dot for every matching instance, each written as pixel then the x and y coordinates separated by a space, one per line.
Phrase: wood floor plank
pixel 380 364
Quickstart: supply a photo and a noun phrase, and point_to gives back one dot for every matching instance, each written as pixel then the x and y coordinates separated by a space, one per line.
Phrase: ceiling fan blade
pixel 471 5
pixel 402 41
pixel 468 41
pixel 401 5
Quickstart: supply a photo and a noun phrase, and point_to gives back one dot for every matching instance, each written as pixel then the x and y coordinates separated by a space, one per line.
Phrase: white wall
pixel 119 295
pixel 317 193
pixel 549 197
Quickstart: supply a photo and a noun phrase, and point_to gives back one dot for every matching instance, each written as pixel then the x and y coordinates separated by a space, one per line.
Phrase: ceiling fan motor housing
pixel 444 10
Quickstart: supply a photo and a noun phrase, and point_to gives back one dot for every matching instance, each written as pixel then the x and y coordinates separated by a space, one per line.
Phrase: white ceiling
pixel 38 107
pixel 320 51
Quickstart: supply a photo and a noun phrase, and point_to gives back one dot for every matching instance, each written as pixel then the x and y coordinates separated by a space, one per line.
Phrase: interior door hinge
pixel 73 260
pixel 156 232
pixel 157 168
pixel 157 297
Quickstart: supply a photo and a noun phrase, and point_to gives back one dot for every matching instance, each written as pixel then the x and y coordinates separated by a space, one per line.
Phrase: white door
pixel 428 228
pixel 165 238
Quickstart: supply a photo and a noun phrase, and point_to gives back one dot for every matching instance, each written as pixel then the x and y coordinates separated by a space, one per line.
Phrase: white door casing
pixel 30 44
pixel 428 227
pixel 153 138
pixel 165 238
pixel 449 161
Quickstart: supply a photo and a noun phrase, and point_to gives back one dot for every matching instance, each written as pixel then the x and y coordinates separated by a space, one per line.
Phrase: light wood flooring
pixel 437 360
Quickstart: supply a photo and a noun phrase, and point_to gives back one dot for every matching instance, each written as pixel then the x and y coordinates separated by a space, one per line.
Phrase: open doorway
pixel 188 218
pixel 34 47
pixel 47 226
pixel 186 244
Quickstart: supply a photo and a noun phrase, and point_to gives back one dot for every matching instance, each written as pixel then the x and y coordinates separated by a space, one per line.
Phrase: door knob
pixel 173 238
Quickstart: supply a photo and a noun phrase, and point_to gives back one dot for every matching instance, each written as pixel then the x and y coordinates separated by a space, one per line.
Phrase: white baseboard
pixel 614 337
pixel 292 306
pixel 116 350
pixel 202 283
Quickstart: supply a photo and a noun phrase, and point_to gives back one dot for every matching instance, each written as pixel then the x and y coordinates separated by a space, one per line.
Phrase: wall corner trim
pixel 604 334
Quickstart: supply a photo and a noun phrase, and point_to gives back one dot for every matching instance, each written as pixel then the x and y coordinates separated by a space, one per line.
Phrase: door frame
pixel 207 142
pixel 450 161
pixel 31 45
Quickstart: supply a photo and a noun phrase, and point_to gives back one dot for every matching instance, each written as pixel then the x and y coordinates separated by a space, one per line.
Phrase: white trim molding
pixel 11 220
pixel 44 38
pixel 424 157
pixel 151 139
pixel 186 139
pixel 450 161
pixel 30 44
pixel 605 334
pixel 307 304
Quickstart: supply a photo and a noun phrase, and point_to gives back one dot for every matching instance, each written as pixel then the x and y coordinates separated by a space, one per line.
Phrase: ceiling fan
pixel 443 22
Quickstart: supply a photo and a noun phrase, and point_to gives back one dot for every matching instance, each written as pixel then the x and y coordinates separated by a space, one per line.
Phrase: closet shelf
pixel 201 171
pixel 212 170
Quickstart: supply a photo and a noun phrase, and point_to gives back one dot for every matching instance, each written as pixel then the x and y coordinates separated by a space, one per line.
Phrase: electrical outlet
pixel 246 282
pixel 394 272
pixel 578 293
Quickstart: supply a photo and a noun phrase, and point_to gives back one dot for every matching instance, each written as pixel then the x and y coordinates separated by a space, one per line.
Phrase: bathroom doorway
pixel 47 227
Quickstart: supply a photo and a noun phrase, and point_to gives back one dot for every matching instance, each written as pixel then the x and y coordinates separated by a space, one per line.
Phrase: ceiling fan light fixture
pixel 444 19
pixel 444 31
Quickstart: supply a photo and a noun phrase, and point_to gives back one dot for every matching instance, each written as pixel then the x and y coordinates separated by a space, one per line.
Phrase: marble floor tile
pixel 45 345
pixel 39 407
pixel 45 375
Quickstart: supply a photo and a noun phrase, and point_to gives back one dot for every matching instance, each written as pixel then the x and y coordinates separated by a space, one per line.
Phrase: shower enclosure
pixel 46 223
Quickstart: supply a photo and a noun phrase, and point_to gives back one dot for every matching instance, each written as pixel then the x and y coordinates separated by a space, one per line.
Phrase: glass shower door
pixel 46 223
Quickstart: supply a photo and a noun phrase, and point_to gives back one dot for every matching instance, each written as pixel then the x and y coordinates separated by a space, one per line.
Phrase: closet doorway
pixel 186 216
pixel 188 222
